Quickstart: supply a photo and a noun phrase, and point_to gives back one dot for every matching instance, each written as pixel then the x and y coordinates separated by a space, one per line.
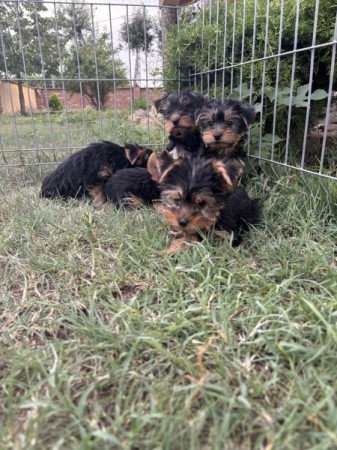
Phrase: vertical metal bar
pixel 146 75
pixel 252 70
pixel 224 50
pixel 311 73
pixel 278 64
pixel 44 80
pixel 253 53
pixel 328 106
pixel 216 48
pixel 10 91
pixel 264 73
pixel 96 71
pixel 3 155
pixel 292 81
pixel 202 44
pixel 130 74
pixel 209 46
pixel 242 46
pixel 79 76
pixel 233 48
pixel 195 67
pixel 113 72
pixel 179 60
pixel 62 74
pixel 25 74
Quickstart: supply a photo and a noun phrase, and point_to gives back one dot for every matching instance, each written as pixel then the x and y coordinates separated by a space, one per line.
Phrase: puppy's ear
pixel 153 167
pixel 132 152
pixel 158 168
pixel 159 102
pixel 229 171
pixel 248 114
pixel 135 154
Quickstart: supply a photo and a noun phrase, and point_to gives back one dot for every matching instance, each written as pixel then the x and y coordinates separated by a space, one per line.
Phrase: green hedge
pixel 201 44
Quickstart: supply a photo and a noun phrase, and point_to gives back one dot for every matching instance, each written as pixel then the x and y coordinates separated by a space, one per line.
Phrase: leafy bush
pixel 204 43
pixel 222 34
pixel 55 103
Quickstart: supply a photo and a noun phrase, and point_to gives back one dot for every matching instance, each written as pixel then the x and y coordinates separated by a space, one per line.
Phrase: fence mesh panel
pixel 72 73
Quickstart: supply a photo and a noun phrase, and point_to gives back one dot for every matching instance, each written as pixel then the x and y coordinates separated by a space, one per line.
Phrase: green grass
pixel 105 344
pixel 49 139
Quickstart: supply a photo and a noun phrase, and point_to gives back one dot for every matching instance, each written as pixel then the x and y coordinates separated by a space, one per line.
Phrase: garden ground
pixel 105 344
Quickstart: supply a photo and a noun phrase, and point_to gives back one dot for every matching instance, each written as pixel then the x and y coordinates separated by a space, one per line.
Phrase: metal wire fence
pixel 105 61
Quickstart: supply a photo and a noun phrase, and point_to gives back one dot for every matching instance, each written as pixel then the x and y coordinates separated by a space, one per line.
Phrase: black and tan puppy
pixel 85 171
pixel 223 125
pixel 131 187
pixel 199 193
pixel 179 115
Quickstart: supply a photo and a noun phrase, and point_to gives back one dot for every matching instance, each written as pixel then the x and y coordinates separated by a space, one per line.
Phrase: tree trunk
pixel 137 67
pixel 169 16
pixel 21 97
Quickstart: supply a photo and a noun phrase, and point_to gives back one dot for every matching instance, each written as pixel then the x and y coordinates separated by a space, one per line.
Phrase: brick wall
pixel 121 98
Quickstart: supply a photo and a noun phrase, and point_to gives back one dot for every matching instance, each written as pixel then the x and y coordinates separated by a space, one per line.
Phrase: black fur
pixel 82 169
pixel 135 182
pixel 194 174
pixel 238 212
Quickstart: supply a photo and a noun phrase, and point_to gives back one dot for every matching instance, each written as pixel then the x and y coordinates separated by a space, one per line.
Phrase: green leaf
pixel 319 94
pixel 302 90
pixel 300 102
pixel 284 91
pixel 283 101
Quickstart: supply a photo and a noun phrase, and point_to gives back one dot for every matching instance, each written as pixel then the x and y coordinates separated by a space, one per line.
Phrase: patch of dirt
pixel 127 292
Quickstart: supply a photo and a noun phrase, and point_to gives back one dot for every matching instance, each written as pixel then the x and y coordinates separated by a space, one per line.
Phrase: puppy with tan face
pixel 197 194
pixel 223 125
pixel 178 111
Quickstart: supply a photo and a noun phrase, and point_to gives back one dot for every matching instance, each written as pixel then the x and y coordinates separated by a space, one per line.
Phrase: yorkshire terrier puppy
pixel 223 125
pixel 85 171
pixel 131 188
pixel 138 186
pixel 199 193
pixel 179 115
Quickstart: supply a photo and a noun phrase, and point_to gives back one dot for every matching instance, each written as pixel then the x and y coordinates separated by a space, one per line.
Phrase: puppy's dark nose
pixel 217 137
pixel 183 222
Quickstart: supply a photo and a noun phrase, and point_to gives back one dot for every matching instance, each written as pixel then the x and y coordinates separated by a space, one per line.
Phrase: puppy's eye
pixel 201 203
pixel 229 122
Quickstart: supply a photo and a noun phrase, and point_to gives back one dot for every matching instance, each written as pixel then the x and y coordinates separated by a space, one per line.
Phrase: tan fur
pixel 195 221
pixel 201 223
pixel 227 137
pixel 178 245
pixel 133 201
pixel 105 172
pixel 153 167
pixel 97 195
pixel 174 194
pixel 168 126
pixel 155 170
pixel 220 167
pixel 186 123
pixel 137 159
